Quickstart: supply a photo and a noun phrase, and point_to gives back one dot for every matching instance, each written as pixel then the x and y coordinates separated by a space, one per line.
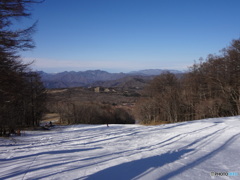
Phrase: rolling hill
pixel 97 77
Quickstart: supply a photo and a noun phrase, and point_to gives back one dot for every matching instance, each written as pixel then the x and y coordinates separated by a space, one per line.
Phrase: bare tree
pixel 15 87
pixel 211 88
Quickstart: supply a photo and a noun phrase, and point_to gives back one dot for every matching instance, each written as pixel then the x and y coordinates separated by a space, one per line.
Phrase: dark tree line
pixel 211 88
pixel 21 91
pixel 72 112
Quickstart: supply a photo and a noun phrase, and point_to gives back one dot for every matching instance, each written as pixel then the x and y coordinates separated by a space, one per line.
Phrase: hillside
pixel 95 77
pixel 125 83
pixel 187 150
pixel 77 79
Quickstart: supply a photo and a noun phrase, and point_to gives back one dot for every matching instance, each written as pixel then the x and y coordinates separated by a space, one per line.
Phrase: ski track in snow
pixel 187 150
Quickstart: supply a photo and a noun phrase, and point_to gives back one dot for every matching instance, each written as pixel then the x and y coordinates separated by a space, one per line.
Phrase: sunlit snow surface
pixel 186 151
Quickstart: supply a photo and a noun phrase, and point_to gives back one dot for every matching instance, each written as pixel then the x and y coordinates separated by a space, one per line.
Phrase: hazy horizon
pixel 127 72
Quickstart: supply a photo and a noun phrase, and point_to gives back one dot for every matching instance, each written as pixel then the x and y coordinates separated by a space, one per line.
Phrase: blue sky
pixel 127 35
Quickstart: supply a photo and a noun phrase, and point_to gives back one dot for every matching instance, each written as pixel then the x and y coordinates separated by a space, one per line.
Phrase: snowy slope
pixel 188 150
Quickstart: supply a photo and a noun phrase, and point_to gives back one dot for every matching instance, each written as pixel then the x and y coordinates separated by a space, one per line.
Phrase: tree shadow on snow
pixel 202 159
pixel 135 168
pixel 32 169
pixel 51 153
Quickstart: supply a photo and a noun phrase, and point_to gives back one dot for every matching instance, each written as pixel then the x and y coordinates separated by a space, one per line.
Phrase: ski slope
pixel 186 151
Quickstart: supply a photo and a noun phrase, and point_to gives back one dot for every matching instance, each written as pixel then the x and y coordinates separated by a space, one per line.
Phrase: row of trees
pixel 22 94
pixel 72 112
pixel 211 88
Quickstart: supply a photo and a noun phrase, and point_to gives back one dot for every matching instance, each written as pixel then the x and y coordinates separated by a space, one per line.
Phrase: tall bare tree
pixel 16 87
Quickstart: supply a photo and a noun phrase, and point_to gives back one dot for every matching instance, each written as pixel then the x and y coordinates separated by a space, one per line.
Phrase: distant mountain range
pixel 99 78
pixel 154 72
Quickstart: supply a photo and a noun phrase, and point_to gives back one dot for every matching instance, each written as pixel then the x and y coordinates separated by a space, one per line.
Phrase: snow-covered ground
pixel 186 151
